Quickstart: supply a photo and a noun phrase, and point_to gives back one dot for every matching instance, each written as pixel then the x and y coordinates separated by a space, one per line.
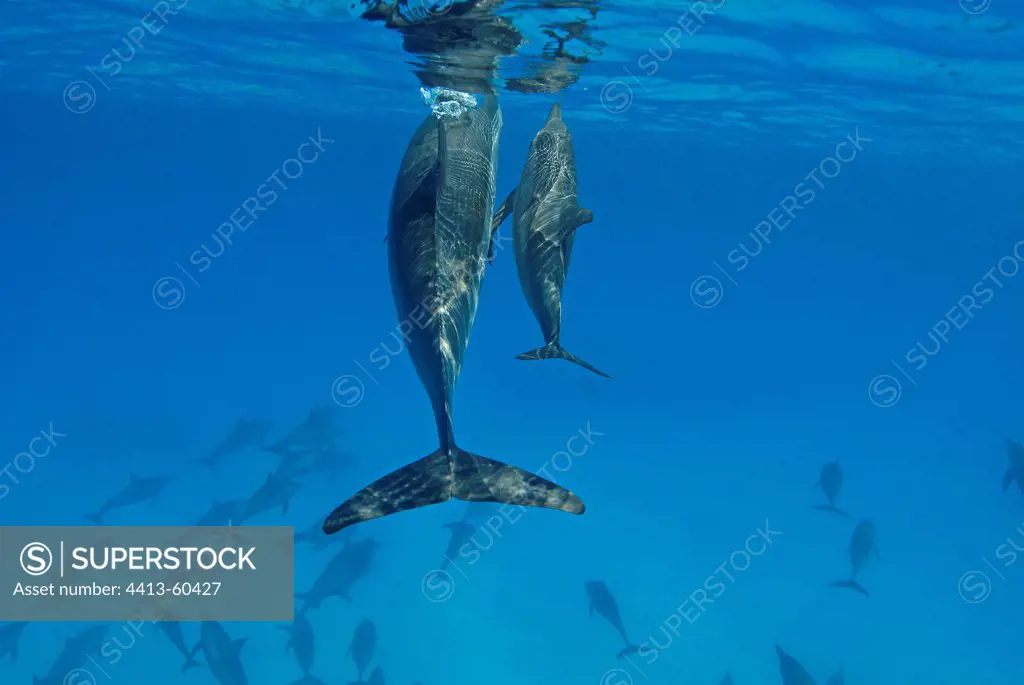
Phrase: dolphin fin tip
pixel 556 351
pixel 479 479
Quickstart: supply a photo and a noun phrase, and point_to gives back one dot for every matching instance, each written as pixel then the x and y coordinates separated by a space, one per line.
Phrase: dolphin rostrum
pixel 438 240
pixel 830 482
pixel 545 215
pixel 862 544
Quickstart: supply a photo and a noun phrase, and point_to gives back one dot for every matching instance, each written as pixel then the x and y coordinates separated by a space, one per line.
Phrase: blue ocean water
pixel 806 248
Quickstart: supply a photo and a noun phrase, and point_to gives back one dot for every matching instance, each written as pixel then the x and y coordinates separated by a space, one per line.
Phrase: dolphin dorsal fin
pixel 238 644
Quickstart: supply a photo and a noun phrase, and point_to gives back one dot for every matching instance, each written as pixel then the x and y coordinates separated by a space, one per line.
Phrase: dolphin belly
pixel 540 265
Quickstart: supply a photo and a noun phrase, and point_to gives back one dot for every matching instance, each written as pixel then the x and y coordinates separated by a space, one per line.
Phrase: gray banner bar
pixel 165 573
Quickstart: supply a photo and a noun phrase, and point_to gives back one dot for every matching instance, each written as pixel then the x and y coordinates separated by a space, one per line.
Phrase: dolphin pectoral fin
pixel 424 482
pixel 499 217
pixel 850 584
pixel 583 216
pixel 503 211
pixel 555 351
pixel 1008 479
pixel 573 221
pixel 479 479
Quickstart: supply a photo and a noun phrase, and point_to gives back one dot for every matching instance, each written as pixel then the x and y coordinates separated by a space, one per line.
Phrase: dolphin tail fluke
pixel 851 585
pixel 424 482
pixel 1011 475
pixel 442 475
pixel 555 351
pixel 95 519
pixel 479 479
pixel 189 664
pixel 832 510
pixel 628 649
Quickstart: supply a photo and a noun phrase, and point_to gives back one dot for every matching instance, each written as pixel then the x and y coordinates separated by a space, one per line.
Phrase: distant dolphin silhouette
pixel 439 236
pixel 601 600
pixel 545 215
pixel 862 544
pixel 831 482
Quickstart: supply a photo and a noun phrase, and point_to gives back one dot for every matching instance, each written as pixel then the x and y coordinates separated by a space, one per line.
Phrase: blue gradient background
pixel 717 422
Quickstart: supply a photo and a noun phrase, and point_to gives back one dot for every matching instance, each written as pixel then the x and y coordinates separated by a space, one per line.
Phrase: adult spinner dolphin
pixel 439 235
pixel 545 215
